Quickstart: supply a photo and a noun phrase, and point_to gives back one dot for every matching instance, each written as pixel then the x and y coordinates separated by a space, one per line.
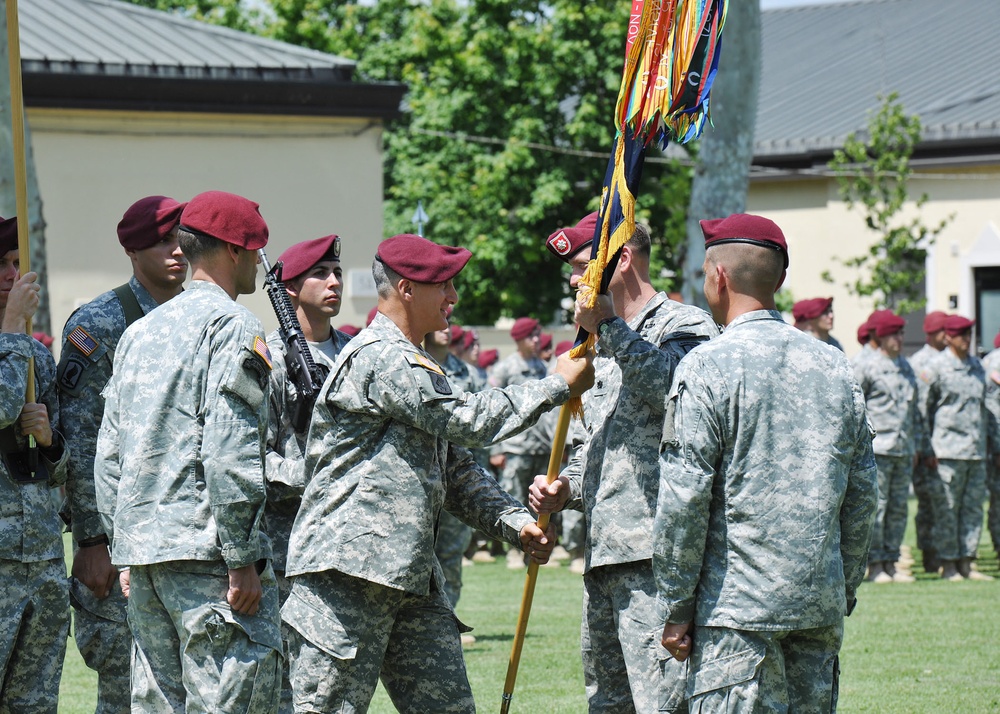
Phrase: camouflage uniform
pixel 527 454
pixel 927 486
pixel 890 390
pixel 614 476
pixel 386 454
pixel 960 426
pixel 767 498
pixel 179 474
pixel 453 536
pixel 285 471
pixel 34 601
pixel 100 628
pixel 991 365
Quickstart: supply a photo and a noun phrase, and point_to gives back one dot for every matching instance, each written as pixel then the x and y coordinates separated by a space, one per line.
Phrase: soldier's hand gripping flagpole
pixel 671 58
pixel 21 187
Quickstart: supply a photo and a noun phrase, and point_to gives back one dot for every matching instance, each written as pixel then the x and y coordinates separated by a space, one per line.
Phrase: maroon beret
pixel 523 327
pixel 956 325
pixel 371 315
pixel 302 256
pixel 810 309
pixel 8 235
pixel 455 334
pixel 564 346
pixel 487 358
pixel 745 228
pixel 226 217
pixel 545 341
pixel 415 258
pixel 885 323
pixel 148 221
pixel 350 330
pixel 934 321
pixel 567 242
pixel 863 336
pixel 469 339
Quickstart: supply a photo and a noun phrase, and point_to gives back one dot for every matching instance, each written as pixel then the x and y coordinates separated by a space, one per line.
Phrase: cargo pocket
pixel 673 683
pixel 257 661
pixel 717 675
pixel 320 627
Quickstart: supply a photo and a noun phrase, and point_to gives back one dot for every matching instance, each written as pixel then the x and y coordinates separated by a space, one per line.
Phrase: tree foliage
pixel 872 174
pixel 504 97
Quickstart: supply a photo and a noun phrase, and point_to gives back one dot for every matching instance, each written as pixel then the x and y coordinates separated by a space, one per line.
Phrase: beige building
pixel 824 68
pixel 124 102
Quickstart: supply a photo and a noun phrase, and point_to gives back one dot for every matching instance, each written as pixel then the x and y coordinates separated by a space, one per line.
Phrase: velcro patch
pixel 82 340
pixel 260 348
pixel 71 371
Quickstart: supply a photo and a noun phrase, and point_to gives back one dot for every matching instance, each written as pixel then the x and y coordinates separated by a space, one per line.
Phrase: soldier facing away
pixel 767 493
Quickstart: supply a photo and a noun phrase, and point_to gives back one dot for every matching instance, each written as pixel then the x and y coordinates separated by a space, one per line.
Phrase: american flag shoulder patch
pixel 82 340
pixel 260 348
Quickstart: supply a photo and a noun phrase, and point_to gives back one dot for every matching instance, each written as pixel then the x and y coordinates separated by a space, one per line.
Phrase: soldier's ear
pixel 405 289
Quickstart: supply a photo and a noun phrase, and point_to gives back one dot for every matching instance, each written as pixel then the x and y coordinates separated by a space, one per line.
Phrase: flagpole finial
pixel 419 218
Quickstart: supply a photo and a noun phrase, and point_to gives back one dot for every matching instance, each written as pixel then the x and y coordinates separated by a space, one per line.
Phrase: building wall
pixel 820 228
pixel 311 177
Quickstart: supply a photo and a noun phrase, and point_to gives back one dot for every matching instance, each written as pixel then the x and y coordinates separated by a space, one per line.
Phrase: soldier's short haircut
pixel 639 242
pixel 386 279
pixel 752 270
pixel 197 245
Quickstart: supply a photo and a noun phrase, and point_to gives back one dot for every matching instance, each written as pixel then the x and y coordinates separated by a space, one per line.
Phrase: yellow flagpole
pixel 20 166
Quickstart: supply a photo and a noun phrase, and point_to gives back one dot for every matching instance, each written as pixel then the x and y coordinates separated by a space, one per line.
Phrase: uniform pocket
pixel 320 626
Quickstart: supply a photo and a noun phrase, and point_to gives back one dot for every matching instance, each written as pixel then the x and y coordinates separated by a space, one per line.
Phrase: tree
pixel 8 199
pixel 873 175
pixel 722 173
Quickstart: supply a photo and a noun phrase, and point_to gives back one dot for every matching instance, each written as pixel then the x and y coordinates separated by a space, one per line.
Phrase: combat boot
pixel 877 573
pixel 931 562
pixel 898 575
pixel 949 572
pixel 968 570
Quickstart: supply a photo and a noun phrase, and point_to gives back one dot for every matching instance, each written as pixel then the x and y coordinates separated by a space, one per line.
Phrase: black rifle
pixel 306 375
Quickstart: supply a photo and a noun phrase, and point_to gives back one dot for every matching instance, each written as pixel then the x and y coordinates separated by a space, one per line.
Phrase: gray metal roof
pixel 114 38
pixel 824 67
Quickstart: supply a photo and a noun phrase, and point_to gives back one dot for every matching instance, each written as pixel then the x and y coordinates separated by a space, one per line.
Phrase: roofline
pixel 217 96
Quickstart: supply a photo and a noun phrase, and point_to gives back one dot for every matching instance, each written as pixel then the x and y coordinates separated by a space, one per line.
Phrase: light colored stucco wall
pixel 819 227
pixel 311 177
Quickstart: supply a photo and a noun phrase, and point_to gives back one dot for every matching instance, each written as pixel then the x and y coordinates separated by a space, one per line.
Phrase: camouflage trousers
pixel 960 516
pixel 519 471
pixel 894 476
pixel 573 535
pixel 193 653
pixel 348 632
pixel 285 699
pixel 102 635
pixel 453 538
pixel 625 668
pixel 34 623
pixel 929 490
pixel 744 672
pixel 993 516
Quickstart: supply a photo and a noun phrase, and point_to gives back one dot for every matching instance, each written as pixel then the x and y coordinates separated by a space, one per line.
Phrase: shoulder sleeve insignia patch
pixel 261 349
pixel 82 340
pixel 71 370
pixel 428 364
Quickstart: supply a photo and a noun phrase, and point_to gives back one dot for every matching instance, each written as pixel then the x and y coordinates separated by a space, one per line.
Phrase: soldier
pixel 386 453
pixel 815 316
pixel 613 474
pixel 927 486
pixel 890 390
pixel 518 459
pixel 991 363
pixel 313 279
pixel 962 432
pixel 148 234
pixel 768 491
pixel 179 475
pixel 35 596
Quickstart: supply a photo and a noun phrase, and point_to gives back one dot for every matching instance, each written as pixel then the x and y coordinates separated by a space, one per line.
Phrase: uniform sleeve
pixel 690 452
pixel 232 450
pixel 81 418
pixel 413 394
pixel 45 372
pixel 857 514
pixel 285 461
pixel 649 368
pixel 475 497
pixel 107 464
pixel 14 353
pixel 578 434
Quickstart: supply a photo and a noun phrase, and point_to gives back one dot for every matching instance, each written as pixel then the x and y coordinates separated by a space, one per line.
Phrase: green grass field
pixel 928 646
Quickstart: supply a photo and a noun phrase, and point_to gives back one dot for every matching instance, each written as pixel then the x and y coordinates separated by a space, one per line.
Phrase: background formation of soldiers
pixel 230 554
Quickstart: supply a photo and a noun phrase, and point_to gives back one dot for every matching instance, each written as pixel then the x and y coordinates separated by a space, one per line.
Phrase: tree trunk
pixel 721 173
pixel 8 197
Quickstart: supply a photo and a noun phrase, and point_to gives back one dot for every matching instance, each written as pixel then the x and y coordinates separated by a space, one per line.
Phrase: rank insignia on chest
pixel 82 340
pixel 261 349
